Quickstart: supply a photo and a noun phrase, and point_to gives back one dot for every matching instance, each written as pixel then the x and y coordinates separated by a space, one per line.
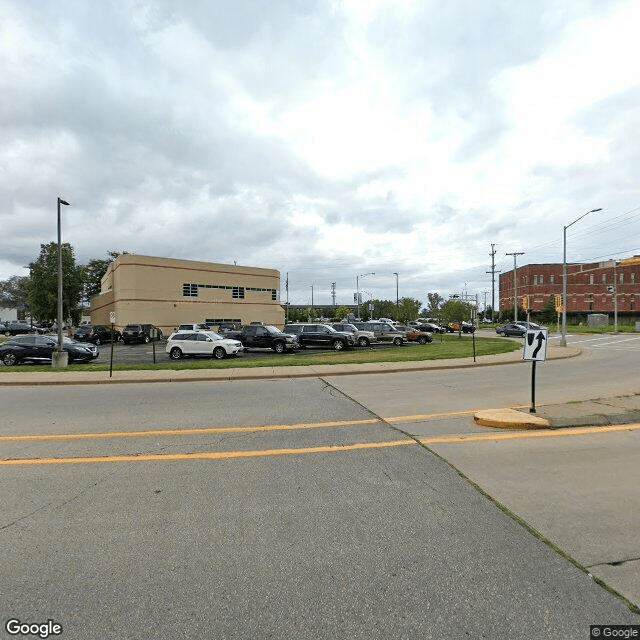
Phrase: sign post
pixel 535 349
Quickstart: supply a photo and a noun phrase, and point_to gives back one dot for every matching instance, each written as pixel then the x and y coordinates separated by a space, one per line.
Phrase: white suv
pixel 201 343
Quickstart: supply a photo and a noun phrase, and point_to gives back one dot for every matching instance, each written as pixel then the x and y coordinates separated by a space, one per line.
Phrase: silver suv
pixel 363 338
pixel 383 332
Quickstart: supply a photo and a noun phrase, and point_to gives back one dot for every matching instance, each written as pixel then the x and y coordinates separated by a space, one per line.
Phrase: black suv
pixel 140 333
pixel 96 334
pixel 320 335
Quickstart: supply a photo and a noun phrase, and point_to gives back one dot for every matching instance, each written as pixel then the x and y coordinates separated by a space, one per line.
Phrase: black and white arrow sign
pixel 535 345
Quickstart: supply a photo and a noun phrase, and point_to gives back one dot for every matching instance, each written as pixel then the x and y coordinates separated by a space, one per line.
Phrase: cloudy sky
pixel 324 138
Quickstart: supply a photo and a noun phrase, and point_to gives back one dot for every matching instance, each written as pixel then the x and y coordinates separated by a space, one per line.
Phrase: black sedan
pixel 518 329
pixel 97 334
pixel 40 349
pixel 17 327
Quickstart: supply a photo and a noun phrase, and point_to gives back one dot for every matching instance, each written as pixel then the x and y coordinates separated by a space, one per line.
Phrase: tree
pixel 14 292
pixel 408 309
pixel 455 311
pixel 435 302
pixel 43 287
pixel 94 271
pixel 549 314
pixel 341 312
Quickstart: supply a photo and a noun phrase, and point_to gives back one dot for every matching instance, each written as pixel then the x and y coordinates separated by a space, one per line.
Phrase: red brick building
pixel 591 287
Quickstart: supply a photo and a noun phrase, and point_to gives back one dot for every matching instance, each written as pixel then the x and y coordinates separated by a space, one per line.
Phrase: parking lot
pixel 144 353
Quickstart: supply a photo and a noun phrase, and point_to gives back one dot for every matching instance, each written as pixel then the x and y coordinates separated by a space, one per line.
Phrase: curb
pixel 262 373
pixel 510 419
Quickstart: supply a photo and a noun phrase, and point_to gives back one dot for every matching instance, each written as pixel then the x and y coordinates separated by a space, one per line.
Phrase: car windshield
pixel 271 329
pixel 132 327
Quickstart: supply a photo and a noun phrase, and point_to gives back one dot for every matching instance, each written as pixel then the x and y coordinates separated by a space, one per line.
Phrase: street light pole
pixel 563 339
pixel 397 299
pixel 363 275
pixel 59 359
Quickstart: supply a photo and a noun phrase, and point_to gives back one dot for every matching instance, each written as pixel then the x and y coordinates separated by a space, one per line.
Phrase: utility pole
pixel 515 283
pixel 493 280
pixel 333 293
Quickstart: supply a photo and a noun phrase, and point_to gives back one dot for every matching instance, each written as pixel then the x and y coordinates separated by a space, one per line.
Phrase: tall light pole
pixel 563 339
pixel 363 275
pixel 397 300
pixel 60 357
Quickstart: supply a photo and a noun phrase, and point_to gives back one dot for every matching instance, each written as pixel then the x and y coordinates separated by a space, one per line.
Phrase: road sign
pixel 112 317
pixel 535 345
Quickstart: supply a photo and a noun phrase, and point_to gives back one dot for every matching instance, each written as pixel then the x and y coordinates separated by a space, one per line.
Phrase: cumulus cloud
pixel 324 139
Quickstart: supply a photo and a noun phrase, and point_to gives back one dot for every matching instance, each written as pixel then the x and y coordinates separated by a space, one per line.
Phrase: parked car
pixel 264 336
pixel 17 327
pixel 97 334
pixel 140 333
pixel 25 348
pixel 320 335
pixel 512 329
pixel 413 334
pixel 383 332
pixel 363 338
pixel 194 327
pixel 201 343
pixel 431 327
pixel 464 327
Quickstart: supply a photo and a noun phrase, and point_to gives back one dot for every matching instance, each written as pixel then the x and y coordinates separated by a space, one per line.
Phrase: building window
pixel 604 278
pixel 190 290
pixel 273 294
pixel 622 278
pixel 633 278
pixel 238 293
pixel 591 278
pixel 552 279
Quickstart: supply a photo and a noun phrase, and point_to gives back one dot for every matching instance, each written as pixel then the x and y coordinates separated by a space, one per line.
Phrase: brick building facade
pixel 591 287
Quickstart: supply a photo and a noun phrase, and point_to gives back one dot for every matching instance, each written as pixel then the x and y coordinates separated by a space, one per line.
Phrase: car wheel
pixel 97 342
pixel 422 340
pixel 9 359
pixel 338 345
pixel 175 353
pixel 146 339
pixel 397 342
pixel 278 347
pixel 501 333
pixel 219 353
pixel 363 342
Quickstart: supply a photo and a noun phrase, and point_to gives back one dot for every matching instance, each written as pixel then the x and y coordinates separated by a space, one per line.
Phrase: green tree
pixel 341 312
pixel 435 302
pixel 548 315
pixel 455 311
pixel 14 292
pixel 408 309
pixel 43 287
pixel 94 271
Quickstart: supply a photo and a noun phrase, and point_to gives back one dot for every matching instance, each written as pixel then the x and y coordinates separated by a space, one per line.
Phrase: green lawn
pixel 451 347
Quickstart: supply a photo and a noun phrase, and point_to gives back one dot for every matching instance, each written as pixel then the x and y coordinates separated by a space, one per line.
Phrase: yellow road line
pixel 187 432
pixel 521 435
pixel 229 455
pixel 219 455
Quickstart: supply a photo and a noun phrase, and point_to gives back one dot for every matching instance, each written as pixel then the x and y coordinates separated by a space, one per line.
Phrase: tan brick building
pixel 591 287
pixel 166 292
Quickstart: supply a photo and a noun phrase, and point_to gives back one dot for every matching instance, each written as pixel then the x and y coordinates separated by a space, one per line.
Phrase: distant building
pixel 166 292
pixel 591 287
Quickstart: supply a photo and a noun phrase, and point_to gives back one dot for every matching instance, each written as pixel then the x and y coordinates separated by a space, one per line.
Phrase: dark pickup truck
pixel 264 336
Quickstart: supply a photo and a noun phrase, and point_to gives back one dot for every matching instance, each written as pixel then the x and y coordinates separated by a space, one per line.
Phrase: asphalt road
pixel 303 509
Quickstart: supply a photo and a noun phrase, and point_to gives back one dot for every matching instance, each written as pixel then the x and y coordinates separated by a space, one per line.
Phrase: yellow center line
pixel 218 455
pixel 187 432
pixel 521 435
